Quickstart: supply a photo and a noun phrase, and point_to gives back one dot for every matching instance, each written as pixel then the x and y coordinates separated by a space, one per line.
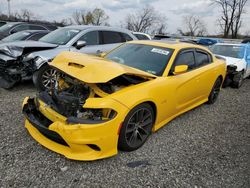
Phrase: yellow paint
pixel 171 95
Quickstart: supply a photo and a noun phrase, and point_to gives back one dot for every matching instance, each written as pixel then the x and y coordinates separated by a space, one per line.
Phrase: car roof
pixel 168 44
pixel 36 31
pixel 84 27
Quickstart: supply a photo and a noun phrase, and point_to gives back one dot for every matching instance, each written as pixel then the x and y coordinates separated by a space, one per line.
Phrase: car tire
pixel 213 96
pixel 136 127
pixel 44 77
pixel 238 80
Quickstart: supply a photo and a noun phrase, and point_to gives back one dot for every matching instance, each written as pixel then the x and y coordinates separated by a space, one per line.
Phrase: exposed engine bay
pixel 68 96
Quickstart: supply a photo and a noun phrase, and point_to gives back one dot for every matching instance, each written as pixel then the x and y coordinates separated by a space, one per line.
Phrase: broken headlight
pixel 28 57
pixel 39 61
pixel 92 116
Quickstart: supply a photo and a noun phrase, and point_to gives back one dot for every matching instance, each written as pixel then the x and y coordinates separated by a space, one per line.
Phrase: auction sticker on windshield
pixel 160 51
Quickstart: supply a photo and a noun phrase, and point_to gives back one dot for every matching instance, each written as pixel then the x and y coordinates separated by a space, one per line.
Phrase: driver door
pixel 187 85
pixel 92 43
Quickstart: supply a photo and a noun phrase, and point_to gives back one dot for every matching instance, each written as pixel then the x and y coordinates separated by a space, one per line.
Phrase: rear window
pixel 110 37
pixel 202 58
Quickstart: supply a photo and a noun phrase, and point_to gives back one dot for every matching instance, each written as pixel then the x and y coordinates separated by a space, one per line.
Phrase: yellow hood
pixel 92 69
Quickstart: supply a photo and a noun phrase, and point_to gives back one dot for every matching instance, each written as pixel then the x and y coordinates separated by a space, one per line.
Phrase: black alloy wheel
pixel 136 128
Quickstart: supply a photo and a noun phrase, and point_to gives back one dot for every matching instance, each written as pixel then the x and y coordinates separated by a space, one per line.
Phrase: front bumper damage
pixel 230 75
pixel 15 68
pixel 84 142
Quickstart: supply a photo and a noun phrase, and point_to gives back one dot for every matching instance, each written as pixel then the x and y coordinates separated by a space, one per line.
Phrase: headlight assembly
pixel 39 61
pixel 92 116
pixel 28 57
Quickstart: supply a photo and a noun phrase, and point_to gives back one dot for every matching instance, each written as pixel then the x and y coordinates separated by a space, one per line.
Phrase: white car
pixel 142 36
pixel 237 57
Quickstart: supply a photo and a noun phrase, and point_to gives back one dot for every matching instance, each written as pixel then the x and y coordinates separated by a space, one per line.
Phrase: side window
pixel 91 38
pixel 202 58
pixel 110 37
pixel 20 28
pixel 186 58
pixel 126 37
pixel 36 27
pixel 141 37
pixel 37 36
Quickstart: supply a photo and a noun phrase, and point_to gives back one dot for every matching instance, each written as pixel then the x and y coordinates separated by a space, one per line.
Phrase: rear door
pixel 206 72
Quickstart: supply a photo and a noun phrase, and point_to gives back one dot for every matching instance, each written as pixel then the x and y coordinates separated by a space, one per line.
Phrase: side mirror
pixel 180 69
pixel 103 54
pixel 80 44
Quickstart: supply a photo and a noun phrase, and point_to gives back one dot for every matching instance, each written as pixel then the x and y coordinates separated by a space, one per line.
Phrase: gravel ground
pixel 206 147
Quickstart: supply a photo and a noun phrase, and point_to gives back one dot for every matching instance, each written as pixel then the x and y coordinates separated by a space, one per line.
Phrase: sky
pixel 173 10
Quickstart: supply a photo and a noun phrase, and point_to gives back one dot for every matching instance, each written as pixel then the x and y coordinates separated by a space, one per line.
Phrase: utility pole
pixel 9 7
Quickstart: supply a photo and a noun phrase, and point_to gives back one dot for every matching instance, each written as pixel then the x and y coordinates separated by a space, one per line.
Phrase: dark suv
pixel 14 27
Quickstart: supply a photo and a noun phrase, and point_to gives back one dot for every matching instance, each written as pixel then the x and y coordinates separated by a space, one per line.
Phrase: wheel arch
pixel 220 77
pixel 153 105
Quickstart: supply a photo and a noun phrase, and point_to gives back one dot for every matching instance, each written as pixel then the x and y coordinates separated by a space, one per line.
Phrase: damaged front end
pixel 15 66
pixel 230 75
pixel 77 119
pixel 13 71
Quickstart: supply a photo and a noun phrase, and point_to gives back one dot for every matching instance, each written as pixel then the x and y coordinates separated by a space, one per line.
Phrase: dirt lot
pixel 206 147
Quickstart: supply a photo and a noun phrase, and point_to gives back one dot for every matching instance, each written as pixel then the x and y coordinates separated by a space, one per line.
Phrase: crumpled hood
pixel 50 53
pixel 16 49
pixel 92 69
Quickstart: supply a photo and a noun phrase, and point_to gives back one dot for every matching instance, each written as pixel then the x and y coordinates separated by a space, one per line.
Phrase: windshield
pixel 17 36
pixel 6 27
pixel 60 36
pixel 151 59
pixel 234 51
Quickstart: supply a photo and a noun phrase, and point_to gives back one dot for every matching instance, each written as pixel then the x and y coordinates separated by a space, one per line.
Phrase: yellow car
pixel 101 104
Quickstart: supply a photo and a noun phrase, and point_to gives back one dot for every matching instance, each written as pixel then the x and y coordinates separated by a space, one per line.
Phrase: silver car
pixel 29 59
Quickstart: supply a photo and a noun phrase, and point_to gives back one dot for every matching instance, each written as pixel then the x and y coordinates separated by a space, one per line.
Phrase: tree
pixel 146 20
pixel 230 20
pixel 194 26
pixel 63 22
pixel 94 17
pixel 25 15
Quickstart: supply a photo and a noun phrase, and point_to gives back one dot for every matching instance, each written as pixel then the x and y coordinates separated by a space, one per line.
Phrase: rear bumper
pixel 78 142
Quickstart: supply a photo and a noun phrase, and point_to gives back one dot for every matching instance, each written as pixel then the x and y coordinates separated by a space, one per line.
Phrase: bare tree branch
pixel 232 11
pixel 194 26
pixel 94 17
pixel 146 20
